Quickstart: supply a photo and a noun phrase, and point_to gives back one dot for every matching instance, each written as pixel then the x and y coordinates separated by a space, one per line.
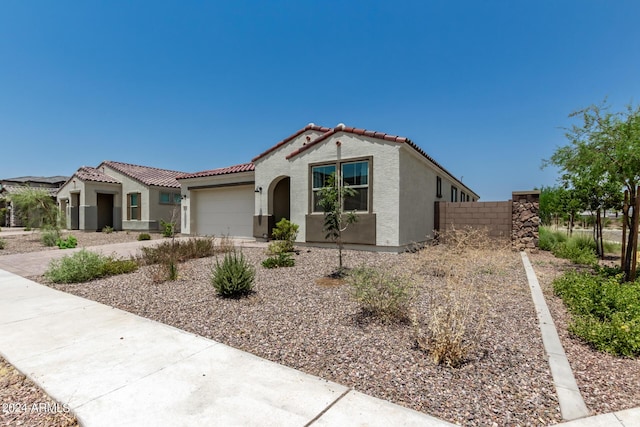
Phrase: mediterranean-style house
pixel 9 186
pixel 396 185
pixel 120 195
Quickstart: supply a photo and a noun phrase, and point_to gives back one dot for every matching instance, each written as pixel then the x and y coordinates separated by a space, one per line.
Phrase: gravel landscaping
pixel 302 319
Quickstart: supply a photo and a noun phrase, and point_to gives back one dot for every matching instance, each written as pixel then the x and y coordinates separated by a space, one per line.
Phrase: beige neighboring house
pixel 122 196
pixel 10 186
pixel 396 184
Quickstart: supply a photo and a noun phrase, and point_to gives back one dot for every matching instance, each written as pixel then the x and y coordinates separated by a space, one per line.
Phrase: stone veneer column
pixel 525 215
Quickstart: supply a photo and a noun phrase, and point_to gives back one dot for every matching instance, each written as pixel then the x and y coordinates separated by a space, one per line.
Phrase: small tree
pixel 36 207
pixel 336 220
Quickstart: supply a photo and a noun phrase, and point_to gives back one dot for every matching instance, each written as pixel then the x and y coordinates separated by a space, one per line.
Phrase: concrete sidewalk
pixel 114 368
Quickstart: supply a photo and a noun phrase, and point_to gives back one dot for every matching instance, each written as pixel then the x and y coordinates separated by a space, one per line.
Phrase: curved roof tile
pixel 245 167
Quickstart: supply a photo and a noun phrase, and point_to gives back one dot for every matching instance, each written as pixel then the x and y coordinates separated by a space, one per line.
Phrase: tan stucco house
pixel 396 183
pixel 120 195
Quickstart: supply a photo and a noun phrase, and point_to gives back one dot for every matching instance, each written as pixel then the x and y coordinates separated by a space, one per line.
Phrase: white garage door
pixel 224 211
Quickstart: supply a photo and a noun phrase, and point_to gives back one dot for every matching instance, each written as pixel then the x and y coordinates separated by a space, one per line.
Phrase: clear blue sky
pixel 483 86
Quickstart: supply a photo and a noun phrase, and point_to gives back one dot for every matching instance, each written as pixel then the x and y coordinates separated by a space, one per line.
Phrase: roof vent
pixel 311 124
pixel 340 126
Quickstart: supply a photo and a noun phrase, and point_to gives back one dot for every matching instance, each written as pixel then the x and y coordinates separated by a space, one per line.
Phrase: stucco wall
pixel 385 164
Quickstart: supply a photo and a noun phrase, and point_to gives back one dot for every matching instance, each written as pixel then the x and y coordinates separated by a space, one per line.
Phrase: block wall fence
pixel 517 219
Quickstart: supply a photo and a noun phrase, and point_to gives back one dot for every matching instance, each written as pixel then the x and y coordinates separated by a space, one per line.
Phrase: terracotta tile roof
pixel 245 167
pixel 310 126
pixel 145 174
pixel 347 129
pixel 87 173
pixel 19 189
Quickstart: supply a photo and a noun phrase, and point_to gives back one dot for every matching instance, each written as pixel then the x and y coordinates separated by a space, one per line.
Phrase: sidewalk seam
pixel 324 411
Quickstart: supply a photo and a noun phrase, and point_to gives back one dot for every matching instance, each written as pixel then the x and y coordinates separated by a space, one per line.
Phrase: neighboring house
pixel 122 196
pixel 9 186
pixel 396 185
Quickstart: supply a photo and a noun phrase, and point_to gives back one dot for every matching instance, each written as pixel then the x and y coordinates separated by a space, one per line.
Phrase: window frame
pixel 137 206
pixel 337 164
pixel 454 193
pixel 438 187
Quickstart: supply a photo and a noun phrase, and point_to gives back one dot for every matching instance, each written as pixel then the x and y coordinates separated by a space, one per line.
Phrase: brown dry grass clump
pixel 457 305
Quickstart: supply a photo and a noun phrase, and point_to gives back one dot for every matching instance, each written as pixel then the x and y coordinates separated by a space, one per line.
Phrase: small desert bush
pixel 107 229
pixel 284 233
pixel 168 228
pixel 50 237
pixel 177 251
pixel 234 276
pixel 464 263
pixel 382 294
pixel 3 243
pixel 84 265
pixel 606 312
pixel 281 260
pixel 579 249
pixel 144 236
pixel 549 239
pixel 69 242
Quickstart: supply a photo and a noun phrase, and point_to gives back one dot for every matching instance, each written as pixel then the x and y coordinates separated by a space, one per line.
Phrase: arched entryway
pixel 279 200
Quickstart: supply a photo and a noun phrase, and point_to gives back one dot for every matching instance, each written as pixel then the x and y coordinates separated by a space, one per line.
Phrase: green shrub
pixel 285 233
pixel 3 243
pixel 69 243
pixel 84 265
pixel 177 251
pixel 144 236
pixel 234 276
pixel 50 237
pixel 606 312
pixel 113 266
pixel 280 260
pixel 381 294
pixel 81 266
pixel 27 228
pixel 168 228
pixel 577 249
pixel 548 239
pixel 107 229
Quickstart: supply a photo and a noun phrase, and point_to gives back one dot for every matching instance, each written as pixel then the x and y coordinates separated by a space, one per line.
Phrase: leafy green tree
pixel 603 155
pixel 36 207
pixel 336 220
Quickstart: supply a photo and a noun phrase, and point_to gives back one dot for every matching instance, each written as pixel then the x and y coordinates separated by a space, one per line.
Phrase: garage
pixel 223 211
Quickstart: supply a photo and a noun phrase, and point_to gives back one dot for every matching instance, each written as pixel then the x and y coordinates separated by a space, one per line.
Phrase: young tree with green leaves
pixel 336 220
pixel 603 155
pixel 36 207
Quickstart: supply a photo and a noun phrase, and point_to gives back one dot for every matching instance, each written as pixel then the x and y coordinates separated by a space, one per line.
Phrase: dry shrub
pixel 225 245
pixel 458 300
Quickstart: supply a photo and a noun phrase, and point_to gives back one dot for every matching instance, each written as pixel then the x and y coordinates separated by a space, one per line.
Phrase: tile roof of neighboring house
pixel 87 173
pixel 18 189
pixel 245 167
pixel 310 126
pixel 146 175
pixel 58 179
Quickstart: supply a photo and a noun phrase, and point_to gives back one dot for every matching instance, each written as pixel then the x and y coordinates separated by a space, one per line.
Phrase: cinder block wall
pixel 517 219
pixel 494 216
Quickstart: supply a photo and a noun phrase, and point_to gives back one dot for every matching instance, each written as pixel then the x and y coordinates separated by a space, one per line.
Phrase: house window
pixel 454 194
pixel 354 174
pixel 170 198
pixel 467 197
pixel 134 203
pixel 462 196
pixel 320 177
pixel 438 187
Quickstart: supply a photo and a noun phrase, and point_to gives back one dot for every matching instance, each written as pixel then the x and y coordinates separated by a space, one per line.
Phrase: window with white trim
pixel 454 194
pixel 170 198
pixel 134 204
